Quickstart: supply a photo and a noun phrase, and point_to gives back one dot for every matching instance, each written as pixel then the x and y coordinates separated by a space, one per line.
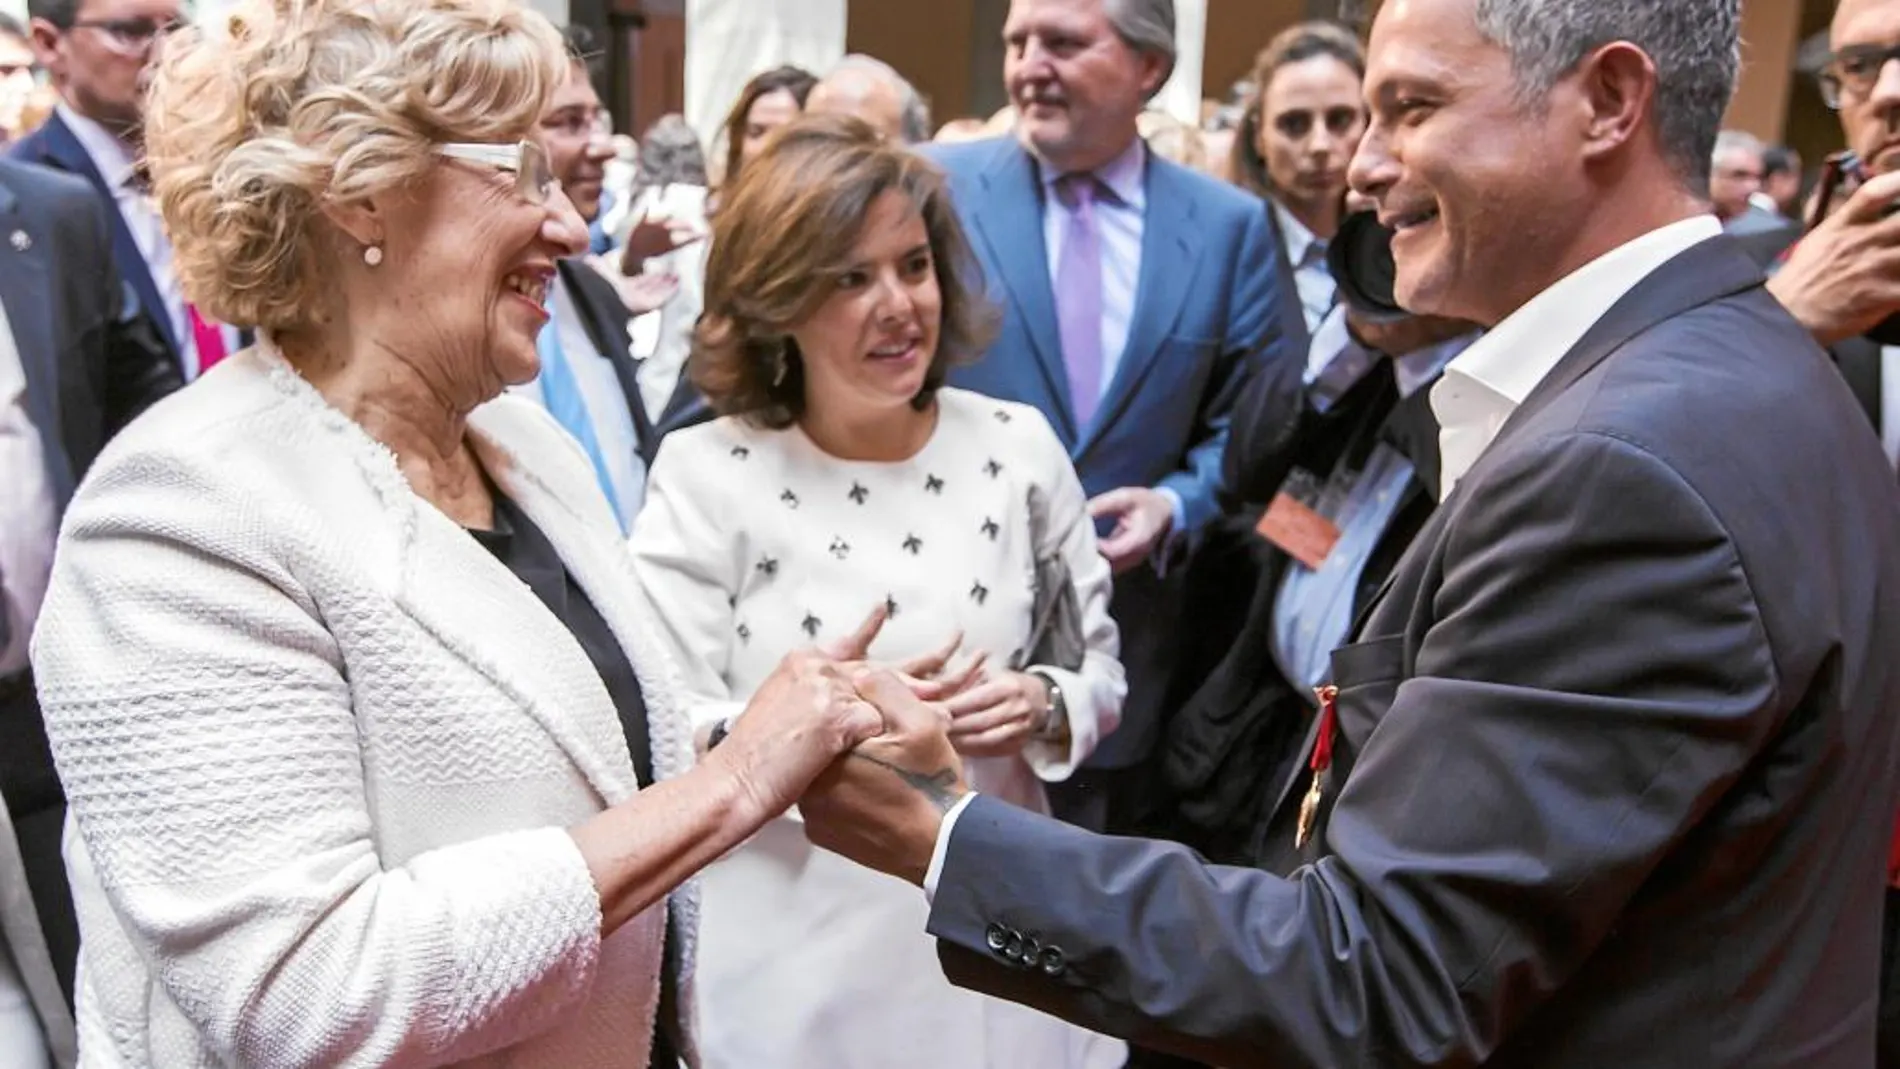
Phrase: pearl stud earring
pixel 373 255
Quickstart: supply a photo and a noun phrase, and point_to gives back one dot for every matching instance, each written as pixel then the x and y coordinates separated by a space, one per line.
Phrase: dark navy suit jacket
pixel 1616 761
pixel 1208 312
pixel 55 145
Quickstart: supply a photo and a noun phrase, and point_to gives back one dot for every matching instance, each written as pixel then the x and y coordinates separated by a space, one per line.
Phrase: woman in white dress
pixel 843 482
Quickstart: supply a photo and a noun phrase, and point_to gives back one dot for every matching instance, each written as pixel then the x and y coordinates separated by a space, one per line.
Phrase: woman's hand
pixel 802 718
pixel 999 716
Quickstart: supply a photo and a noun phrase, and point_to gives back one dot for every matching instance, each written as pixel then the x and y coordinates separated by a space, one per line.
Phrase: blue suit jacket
pixel 54 145
pixel 1208 312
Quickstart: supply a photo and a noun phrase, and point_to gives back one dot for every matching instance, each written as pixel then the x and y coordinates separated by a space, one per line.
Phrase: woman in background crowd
pixel 374 756
pixel 769 101
pixel 844 480
pixel 1295 140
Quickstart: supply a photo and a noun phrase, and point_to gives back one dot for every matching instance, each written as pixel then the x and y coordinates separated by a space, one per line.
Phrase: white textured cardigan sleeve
pixel 1095 691
pixel 205 730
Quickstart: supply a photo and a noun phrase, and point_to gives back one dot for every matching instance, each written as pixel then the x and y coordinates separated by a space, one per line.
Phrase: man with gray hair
pixel 1140 296
pixel 871 89
pixel 1603 775
pixel 1735 176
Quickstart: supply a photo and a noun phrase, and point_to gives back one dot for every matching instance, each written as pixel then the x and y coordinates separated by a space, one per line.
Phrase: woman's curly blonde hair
pixel 306 102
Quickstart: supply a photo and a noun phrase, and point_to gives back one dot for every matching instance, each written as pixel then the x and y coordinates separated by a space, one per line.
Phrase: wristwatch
pixel 1055 719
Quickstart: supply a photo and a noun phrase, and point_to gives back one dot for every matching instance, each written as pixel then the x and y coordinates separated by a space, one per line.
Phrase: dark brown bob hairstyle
pixel 784 236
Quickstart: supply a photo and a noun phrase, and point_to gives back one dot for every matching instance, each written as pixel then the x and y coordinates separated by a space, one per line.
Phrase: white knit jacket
pixel 320 747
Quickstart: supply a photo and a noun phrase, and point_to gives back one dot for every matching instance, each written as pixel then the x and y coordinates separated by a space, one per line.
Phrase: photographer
pixel 1842 281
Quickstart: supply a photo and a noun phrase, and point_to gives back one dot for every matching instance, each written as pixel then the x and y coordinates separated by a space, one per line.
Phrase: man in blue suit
pixel 97 53
pixel 1138 296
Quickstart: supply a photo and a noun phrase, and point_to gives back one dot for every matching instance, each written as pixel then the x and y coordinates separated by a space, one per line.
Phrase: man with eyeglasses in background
pixel 1843 283
pixel 96 52
pixel 588 380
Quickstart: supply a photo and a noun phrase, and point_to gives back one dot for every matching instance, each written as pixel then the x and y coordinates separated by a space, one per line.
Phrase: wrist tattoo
pixel 937 786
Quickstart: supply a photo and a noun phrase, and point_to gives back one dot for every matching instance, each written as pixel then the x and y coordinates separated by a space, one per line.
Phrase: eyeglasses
pixel 1851 74
pixel 577 123
pixel 533 179
pixel 130 36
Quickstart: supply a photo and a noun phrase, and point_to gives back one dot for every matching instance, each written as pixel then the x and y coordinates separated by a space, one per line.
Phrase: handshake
pixel 871 753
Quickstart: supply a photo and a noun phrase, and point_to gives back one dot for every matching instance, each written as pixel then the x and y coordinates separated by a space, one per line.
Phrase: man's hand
pixel 647 292
pixel 882 804
pixel 655 236
pixel 1142 518
pixel 1843 278
pixel 998 717
pixel 801 718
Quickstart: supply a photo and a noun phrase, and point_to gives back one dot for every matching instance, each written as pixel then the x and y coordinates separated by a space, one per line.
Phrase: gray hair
pixel 670 155
pixel 1737 141
pixel 914 121
pixel 1147 26
pixel 1695 45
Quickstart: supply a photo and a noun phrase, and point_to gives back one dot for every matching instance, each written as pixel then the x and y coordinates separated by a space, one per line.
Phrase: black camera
pixel 1360 258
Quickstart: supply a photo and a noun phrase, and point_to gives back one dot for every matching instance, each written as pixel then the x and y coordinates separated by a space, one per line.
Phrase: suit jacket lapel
pixel 686 406
pixel 595 555
pixel 604 318
pixel 479 610
pixel 63 147
pixel 1170 251
pixel 1709 271
pixel 472 604
pixel 24 290
pixel 1008 220
pixel 1706 272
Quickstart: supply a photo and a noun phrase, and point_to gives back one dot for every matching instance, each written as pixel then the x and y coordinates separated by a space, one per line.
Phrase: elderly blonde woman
pixel 372 755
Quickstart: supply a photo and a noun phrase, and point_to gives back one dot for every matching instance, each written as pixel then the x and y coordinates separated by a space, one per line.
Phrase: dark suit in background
pixel 1206 314
pixel 1617 745
pixel 91 365
pixel 604 317
pixel 1239 736
pixel 55 145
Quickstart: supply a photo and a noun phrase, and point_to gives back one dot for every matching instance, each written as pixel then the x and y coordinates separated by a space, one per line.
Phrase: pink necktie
pixel 208 337
pixel 1079 295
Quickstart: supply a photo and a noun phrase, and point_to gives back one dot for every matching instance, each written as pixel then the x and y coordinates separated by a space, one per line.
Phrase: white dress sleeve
pixel 1094 693
pixel 687 557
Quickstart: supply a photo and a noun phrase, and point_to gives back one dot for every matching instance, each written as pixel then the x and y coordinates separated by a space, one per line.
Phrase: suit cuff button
pixel 1053 962
pixel 997 937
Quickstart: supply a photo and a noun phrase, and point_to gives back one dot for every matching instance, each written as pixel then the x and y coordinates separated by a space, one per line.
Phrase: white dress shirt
pixel 606 400
pixel 1890 402
pixel 1312 277
pixel 29 521
pixel 1121 221
pixel 1486 383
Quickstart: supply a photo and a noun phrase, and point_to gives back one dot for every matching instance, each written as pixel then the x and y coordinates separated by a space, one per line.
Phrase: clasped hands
pixel 870 752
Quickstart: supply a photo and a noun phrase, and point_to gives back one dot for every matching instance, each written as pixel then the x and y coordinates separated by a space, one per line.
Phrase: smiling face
pixel 1312 115
pixel 869 346
pixel 1472 180
pixel 577 141
pixel 467 265
pixel 1077 86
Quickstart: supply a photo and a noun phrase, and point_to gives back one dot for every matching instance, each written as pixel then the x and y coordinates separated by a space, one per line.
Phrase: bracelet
pixel 720 729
